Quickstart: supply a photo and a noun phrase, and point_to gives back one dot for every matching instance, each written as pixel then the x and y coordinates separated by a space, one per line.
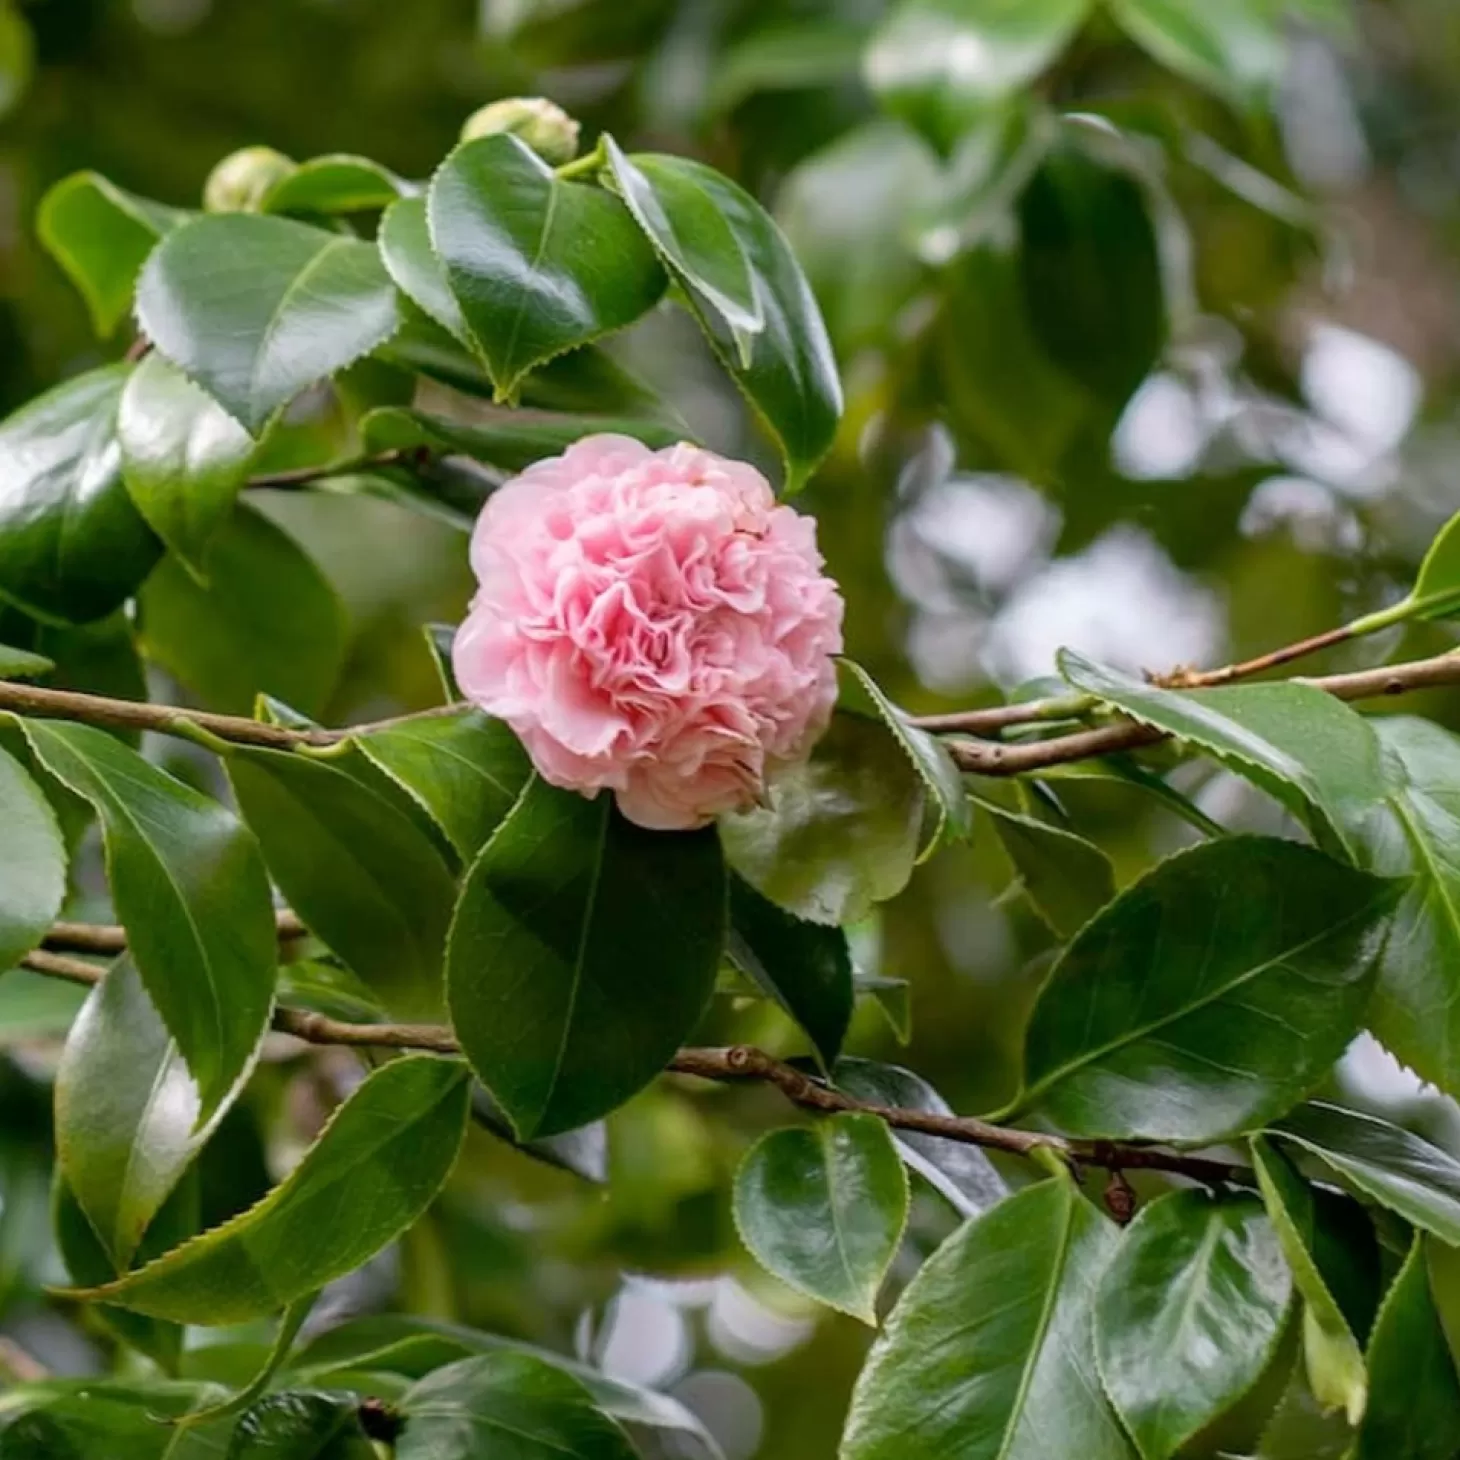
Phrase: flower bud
pixel 242 180
pixel 543 125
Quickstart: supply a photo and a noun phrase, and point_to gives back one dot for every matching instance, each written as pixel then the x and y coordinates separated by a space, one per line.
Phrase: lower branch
pixel 737 1064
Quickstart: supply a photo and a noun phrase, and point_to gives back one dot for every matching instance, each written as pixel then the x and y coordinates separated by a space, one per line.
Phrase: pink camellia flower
pixel 652 623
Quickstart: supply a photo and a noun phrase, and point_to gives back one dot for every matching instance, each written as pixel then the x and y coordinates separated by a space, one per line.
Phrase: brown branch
pixel 110 938
pixel 990 758
pixel 303 476
pixel 740 1064
pixel 1274 659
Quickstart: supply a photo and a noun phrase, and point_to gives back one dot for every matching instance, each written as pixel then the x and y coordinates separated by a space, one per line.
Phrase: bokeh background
pixel 1153 355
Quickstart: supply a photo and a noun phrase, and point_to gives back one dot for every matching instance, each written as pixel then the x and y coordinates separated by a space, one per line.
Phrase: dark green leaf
pixel 696 240
pixel 512 441
pixel 953 811
pixel 1308 750
pixel 266 622
pixel 32 863
pixel 786 367
pixel 301 1425
pixel 942 64
pixel 190 888
pixel 89 1264
pixel 583 951
pixel 1414 1399
pixel 1189 1314
pixel 1301 1428
pixel 893 996
pixel 256 309
pixel 1235 49
pixel 335 183
pixel 363 875
pixel 415 1346
pixel 842 829
pixel 1414 1011
pixel 962 1173
pixel 1091 270
pixel 72 545
pixel 537 265
pixel 127 1112
pixel 789 56
pixel 467 770
pixel 1209 997
pixel 183 458
pixel 411 262
pixel 510 1406
pixel 823 1208
pixel 805 967
pixel 97 1420
pixel 1335 1363
pixel 34 1006
pixel 990 1353
pixel 1399 1169
pixel 101 237
pixel 382 1159
pixel 1065 877
pixel 1443 1263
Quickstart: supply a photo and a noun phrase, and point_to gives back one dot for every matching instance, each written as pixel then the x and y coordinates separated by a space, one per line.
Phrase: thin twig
pixel 111 938
pixel 739 1064
pixel 303 476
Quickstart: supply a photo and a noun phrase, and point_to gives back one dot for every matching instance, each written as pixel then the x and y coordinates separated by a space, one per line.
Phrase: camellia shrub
pixel 651 776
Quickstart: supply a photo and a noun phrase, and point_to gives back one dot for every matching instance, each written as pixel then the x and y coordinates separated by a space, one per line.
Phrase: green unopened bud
pixel 242 180
pixel 543 125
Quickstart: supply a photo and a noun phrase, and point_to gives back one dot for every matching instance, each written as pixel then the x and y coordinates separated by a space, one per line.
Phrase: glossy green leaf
pixel 267 621
pixel 382 1159
pixel 72 545
pixel 335 183
pixel 127 1112
pixel 89 1263
pixel 511 441
pixel 786 367
pixel 410 260
pixel 1443 1263
pixel 1417 834
pixel 510 1406
pixel 582 954
pixel 256 309
pixel 97 1420
pixel 961 1173
pixel 1209 997
pixel 1400 1170
pixel 990 1353
pixel 1302 1428
pixel 466 769
pixel 190 889
pixel 942 64
pixel 363 875
pixel 1335 1363
pixel 414 1347
pixel 184 458
pixel 301 1425
pixel 32 863
pixel 842 829
pixel 805 967
pixel 1189 1314
pixel 1414 1400
pixel 947 795
pixel 22 663
pixel 696 240
pixel 1305 748
pixel 1236 49
pixel 537 265
pixel 823 1208
pixel 1066 878
pixel 101 236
